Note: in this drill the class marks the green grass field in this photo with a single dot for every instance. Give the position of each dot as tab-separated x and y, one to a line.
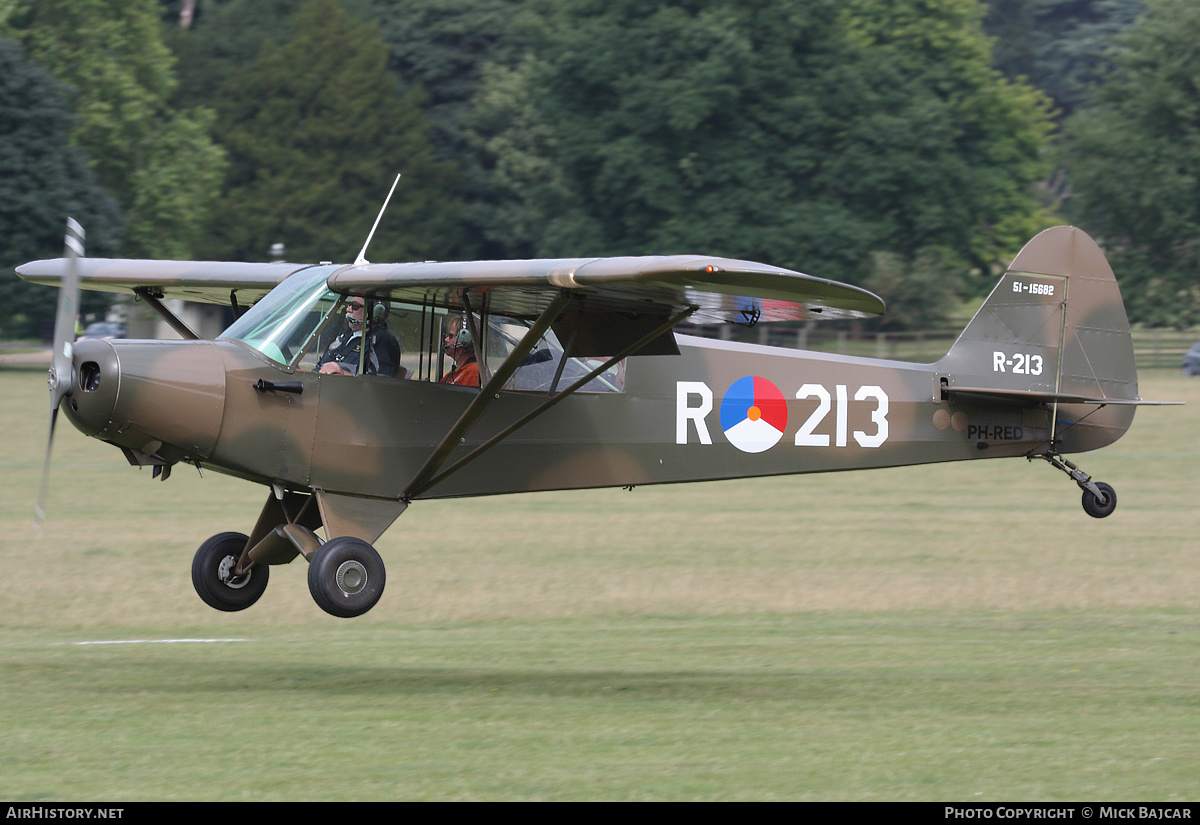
957	632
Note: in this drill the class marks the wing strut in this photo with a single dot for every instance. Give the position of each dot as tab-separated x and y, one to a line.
179	326
415	489
485	397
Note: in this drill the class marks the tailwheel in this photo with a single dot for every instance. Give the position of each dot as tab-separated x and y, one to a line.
1099	499
345	577
214	574
1096	506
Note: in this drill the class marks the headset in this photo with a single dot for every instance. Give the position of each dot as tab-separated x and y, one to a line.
379	310
463	338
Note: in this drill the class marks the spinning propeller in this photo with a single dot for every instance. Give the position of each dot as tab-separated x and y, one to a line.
61	377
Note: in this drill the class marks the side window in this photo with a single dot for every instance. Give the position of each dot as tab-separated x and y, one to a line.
408	323
419	333
544	369
419	330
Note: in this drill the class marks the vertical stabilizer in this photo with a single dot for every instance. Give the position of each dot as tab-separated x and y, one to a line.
1057	319
1054	326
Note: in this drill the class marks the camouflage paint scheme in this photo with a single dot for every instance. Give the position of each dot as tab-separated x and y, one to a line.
1046	367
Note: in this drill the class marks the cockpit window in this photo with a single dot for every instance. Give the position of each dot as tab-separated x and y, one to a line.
282	325
300	322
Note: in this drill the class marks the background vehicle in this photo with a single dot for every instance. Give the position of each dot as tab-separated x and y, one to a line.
103	329
1191	360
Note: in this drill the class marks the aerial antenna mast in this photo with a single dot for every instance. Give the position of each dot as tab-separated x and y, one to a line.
362	259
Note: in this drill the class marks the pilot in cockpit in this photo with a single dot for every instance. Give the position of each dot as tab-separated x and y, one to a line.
345	353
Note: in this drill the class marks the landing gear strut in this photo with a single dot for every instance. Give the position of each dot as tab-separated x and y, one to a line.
1099	499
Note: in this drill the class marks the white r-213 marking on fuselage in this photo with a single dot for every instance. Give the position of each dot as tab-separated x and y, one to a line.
806	436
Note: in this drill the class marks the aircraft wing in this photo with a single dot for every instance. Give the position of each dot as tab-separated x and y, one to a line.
720	289
209	282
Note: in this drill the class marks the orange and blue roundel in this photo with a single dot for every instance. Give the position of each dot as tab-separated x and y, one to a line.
753	414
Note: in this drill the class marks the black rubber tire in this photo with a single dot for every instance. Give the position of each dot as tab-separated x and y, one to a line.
1092	505
346	577
210	574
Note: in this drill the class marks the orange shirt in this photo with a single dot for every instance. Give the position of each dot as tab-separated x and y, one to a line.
465	376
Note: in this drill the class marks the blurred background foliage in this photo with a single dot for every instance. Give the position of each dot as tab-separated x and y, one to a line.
911	146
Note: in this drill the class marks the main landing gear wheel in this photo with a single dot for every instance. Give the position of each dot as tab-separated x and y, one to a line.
345	577
1096	508
213	578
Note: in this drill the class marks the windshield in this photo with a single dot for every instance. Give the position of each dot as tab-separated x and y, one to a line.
282	324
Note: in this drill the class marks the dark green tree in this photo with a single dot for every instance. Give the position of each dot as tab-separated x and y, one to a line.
944	152
43	181
316	131
447	48
225	38
160	163
1063	47
516	150
1134	161
807	133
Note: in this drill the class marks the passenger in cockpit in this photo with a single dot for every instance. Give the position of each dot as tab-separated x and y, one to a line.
459	344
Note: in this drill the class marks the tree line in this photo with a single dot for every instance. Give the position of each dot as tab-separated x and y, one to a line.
909	146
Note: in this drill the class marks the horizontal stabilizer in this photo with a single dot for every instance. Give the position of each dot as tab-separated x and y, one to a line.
1031	397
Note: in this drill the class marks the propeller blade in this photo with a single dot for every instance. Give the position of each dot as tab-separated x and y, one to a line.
39	510
61	376
64	322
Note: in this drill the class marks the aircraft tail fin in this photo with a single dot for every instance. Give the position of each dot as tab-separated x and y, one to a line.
1053	331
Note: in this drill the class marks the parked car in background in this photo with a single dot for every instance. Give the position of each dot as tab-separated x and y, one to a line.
1191	361
103	329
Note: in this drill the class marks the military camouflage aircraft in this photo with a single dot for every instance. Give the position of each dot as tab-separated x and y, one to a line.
584	384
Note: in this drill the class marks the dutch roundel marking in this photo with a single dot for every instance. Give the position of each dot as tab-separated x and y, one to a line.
753	414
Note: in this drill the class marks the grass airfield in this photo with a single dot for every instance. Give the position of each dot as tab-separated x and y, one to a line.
954	632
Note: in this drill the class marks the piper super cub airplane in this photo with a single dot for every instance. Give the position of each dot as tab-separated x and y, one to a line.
584	384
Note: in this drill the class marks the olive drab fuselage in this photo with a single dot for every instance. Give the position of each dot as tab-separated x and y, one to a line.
366	436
